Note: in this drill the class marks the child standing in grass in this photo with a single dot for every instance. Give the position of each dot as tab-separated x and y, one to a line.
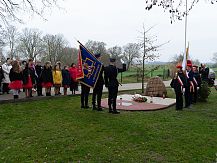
73	73
57	79
16	77
29	78
47	78
66	79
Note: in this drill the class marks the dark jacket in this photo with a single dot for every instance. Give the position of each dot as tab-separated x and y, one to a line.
204	73
100	81
38	70
47	75
178	85
189	78
1	74
66	77
26	72
197	78
15	76
110	75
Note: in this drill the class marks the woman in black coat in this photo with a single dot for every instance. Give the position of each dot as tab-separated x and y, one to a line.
47	78
16	77
66	79
1	77
29	78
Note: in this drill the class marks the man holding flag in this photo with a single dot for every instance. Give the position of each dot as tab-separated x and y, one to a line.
97	91
189	89
89	69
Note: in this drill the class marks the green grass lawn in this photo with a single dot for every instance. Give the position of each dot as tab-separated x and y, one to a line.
57	130
132	76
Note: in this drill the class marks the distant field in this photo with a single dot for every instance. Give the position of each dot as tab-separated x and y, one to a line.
135	74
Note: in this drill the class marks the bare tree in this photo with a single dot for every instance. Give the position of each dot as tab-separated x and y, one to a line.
176	8
30	44
115	51
10	10
98	47
131	51
70	55
54	47
10	36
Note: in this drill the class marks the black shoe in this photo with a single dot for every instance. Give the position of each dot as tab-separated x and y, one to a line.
82	106
94	107
16	96
116	112
99	109
110	111
87	107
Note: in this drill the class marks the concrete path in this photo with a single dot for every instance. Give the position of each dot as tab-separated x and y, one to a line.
130	86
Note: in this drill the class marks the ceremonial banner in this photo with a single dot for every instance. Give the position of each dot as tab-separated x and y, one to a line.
91	67
186	57
80	74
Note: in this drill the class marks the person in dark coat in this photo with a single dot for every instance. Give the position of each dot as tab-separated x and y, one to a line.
178	83
204	71
38	69
197	83
1	78
47	78
111	82
85	90
16	77
29	78
189	89
97	91
66	79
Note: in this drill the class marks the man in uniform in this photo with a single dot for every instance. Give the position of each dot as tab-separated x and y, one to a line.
97	91
204	71
111	82
189	89
85	90
178	83
196	82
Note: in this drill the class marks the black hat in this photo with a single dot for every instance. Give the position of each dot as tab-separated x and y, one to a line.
97	55
112	59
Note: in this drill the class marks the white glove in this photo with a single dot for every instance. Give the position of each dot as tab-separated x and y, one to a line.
183	90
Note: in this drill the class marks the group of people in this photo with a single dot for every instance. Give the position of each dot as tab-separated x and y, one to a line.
188	82
26	75
29	76
110	80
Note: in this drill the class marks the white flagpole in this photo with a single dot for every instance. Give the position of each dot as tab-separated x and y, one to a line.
184	62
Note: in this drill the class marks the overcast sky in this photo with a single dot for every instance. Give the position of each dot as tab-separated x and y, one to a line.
117	22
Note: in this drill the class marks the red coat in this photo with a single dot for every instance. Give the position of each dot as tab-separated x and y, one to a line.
73	73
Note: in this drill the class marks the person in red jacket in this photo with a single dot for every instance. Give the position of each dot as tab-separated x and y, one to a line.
73	73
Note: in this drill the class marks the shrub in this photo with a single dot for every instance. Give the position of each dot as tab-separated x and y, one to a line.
204	92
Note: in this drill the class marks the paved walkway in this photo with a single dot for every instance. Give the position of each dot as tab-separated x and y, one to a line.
130	86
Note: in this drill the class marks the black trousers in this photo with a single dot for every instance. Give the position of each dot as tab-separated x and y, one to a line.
85	90
195	95
188	97
113	92
39	89
97	93
5	88
179	100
